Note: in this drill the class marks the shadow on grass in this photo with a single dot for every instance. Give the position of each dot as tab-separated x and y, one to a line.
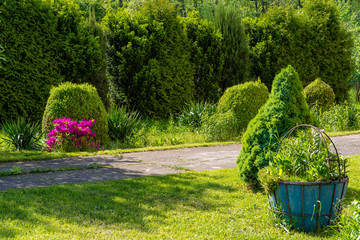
127	203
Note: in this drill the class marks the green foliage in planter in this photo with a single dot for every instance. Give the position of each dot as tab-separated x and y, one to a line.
78	102
149	58
22	134
285	108
302	159
206	55
235	45
311	39
45	44
244	100
320	94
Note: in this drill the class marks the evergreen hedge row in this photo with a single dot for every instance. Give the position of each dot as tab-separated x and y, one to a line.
44	45
311	39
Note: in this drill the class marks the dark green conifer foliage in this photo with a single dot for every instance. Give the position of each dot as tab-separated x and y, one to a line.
99	79
149	58
311	39
285	108
45	44
235	46
27	34
206	55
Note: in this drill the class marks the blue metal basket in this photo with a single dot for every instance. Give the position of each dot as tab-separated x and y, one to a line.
307	206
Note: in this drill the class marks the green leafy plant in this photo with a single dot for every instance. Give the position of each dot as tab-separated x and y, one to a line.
303	158
22	134
122	124
192	114
339	117
349	224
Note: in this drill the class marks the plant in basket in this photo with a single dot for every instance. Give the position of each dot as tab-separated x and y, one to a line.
306	181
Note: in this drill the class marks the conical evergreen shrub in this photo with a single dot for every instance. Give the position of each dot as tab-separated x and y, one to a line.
285	108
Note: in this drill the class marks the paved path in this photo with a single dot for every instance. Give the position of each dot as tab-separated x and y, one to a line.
140	164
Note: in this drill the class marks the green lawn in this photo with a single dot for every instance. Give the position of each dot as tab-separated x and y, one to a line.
195	205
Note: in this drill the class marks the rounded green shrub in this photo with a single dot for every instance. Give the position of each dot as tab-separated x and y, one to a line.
285	108
78	102
244	100
319	93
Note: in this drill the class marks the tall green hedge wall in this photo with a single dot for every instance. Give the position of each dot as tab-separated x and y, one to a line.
312	39
44	44
149	58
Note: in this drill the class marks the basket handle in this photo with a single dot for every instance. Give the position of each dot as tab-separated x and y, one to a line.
322	133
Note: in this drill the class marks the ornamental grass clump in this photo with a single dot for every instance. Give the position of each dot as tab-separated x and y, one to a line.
69	136
21	134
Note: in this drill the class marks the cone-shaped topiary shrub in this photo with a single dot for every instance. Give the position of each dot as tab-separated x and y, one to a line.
285	108
78	102
319	93
244	100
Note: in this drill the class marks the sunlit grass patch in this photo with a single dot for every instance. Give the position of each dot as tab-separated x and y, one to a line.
194	205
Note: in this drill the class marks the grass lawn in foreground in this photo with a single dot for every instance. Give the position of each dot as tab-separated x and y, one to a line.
196	205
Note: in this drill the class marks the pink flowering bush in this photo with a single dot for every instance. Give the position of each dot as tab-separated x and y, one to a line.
70	136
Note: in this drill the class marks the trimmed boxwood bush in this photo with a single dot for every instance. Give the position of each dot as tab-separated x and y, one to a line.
78	102
244	100
319	93
285	108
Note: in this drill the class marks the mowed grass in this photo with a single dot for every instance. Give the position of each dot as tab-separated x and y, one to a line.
195	205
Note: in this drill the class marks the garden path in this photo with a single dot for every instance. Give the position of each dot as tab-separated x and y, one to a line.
138	164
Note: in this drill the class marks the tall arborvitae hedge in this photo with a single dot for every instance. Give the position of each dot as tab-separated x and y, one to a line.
45	44
27	33
149	58
206	55
285	108
235	45
312	39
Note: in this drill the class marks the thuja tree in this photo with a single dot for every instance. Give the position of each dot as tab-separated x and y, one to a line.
285	108
311	39
206	55
26	33
235	45
149	58
45	44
